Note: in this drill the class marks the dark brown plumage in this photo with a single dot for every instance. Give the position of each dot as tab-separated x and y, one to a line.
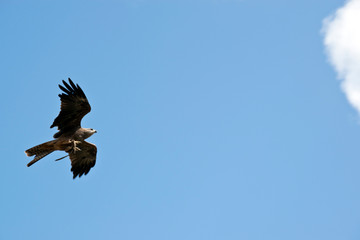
71	136
74	106
82	161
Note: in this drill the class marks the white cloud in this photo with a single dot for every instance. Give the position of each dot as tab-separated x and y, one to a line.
342	42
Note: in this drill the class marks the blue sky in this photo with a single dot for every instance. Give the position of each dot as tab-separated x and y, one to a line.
216	119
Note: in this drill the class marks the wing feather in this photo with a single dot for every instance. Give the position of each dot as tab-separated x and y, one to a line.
82	161
74	106
64	89
72	85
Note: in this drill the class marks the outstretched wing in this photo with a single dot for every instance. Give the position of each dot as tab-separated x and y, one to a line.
74	106
84	159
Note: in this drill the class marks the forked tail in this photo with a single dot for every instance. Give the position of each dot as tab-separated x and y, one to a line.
40	151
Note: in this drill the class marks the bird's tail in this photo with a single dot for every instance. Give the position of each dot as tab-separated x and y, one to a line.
40	151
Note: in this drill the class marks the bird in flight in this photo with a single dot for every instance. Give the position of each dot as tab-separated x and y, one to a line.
70	136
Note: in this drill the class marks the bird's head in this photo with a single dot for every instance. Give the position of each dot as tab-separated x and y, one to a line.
90	131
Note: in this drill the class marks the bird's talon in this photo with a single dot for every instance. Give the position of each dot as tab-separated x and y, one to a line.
74	148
